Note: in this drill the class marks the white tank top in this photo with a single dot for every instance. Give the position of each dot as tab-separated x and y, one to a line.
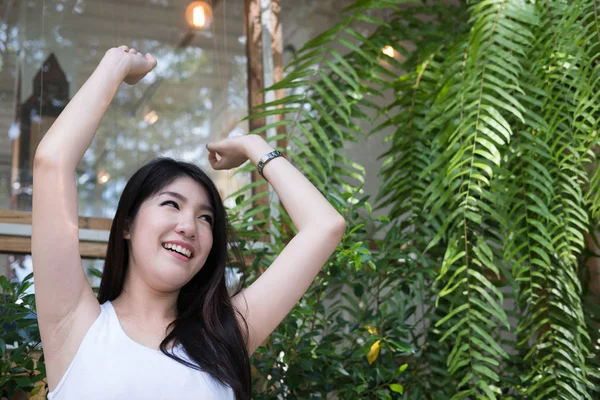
111	365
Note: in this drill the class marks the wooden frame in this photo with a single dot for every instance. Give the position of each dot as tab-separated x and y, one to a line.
22	245
18	244
24	217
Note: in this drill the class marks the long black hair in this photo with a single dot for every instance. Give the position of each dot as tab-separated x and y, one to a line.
206	324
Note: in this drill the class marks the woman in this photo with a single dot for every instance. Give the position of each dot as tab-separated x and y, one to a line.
163	325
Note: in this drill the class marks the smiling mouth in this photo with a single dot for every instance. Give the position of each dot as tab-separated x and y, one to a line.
178	249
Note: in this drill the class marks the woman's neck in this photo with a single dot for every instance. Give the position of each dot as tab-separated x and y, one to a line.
140	302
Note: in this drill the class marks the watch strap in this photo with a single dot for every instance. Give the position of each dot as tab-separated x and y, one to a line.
265	159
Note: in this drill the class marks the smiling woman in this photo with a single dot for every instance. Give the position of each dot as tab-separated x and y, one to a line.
166	214
163	300
170	234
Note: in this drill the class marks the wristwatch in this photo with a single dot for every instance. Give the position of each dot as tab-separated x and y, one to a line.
265	159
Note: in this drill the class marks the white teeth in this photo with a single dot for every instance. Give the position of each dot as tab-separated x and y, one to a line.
179	249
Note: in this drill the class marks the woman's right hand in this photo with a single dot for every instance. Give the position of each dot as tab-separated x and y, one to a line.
132	64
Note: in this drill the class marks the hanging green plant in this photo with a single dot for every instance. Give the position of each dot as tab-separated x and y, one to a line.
491	185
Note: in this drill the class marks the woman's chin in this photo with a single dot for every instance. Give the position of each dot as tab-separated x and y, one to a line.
171	279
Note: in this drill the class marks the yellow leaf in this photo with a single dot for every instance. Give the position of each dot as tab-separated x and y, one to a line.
371	329
36	390
374	352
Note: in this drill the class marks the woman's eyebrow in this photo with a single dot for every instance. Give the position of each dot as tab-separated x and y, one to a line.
208	208
184	199
176	195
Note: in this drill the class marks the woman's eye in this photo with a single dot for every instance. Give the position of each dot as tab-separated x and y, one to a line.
170	202
207	218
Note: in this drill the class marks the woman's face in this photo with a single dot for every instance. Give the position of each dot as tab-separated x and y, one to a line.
171	236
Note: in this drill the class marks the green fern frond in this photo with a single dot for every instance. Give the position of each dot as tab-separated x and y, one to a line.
490	179
476	104
547	215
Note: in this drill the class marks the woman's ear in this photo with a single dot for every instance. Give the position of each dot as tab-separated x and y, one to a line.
126	231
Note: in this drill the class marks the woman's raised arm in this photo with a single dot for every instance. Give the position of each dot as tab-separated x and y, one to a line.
65	302
320	229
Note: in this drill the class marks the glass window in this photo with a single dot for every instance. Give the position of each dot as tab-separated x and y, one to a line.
17	267
196	94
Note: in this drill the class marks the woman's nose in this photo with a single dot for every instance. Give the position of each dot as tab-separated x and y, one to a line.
187	226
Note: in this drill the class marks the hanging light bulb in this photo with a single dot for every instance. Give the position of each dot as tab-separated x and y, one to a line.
103	177
198	14
389	51
151	117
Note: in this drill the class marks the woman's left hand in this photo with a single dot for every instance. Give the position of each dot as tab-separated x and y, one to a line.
229	153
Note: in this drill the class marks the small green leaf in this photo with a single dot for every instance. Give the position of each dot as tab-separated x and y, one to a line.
24	382
358	290
396	387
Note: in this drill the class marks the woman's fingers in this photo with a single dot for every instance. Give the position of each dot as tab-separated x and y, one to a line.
137	64
147	56
151	60
212	155
230	153
214	161
212	147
